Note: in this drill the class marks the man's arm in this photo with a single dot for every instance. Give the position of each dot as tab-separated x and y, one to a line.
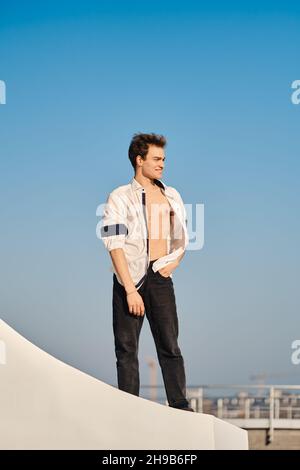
121	266
113	234
134	300
169	268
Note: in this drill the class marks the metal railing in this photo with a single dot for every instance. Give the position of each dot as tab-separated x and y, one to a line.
247	406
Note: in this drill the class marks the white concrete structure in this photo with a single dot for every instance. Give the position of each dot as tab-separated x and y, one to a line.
47	404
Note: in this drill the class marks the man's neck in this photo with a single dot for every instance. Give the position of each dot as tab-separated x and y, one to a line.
147	183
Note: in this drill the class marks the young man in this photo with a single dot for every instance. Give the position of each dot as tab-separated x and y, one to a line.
144	230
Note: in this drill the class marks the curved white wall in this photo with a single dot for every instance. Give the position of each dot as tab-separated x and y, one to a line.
46	404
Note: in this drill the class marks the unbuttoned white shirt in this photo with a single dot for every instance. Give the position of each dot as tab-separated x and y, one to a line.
124	225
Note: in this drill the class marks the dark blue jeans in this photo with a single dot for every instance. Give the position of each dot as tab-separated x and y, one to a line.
160	309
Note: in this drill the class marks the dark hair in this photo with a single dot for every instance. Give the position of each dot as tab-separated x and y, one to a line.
139	145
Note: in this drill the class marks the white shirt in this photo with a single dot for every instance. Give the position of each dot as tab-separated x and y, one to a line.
124	225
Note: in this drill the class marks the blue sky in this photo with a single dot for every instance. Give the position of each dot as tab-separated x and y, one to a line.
216	80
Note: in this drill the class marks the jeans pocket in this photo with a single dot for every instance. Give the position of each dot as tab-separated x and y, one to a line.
161	276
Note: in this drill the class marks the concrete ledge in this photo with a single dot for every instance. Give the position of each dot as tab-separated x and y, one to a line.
47	404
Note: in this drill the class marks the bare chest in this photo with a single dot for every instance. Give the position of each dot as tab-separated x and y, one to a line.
158	208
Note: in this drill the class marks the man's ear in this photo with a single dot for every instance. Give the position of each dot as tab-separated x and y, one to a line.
138	156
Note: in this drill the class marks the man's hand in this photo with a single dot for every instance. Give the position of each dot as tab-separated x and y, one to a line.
167	270
135	304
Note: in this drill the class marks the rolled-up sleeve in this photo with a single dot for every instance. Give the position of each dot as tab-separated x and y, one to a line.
114	223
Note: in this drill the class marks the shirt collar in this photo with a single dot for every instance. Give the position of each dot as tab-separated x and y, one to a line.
136	185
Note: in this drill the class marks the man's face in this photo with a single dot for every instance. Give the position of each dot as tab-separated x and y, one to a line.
154	164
